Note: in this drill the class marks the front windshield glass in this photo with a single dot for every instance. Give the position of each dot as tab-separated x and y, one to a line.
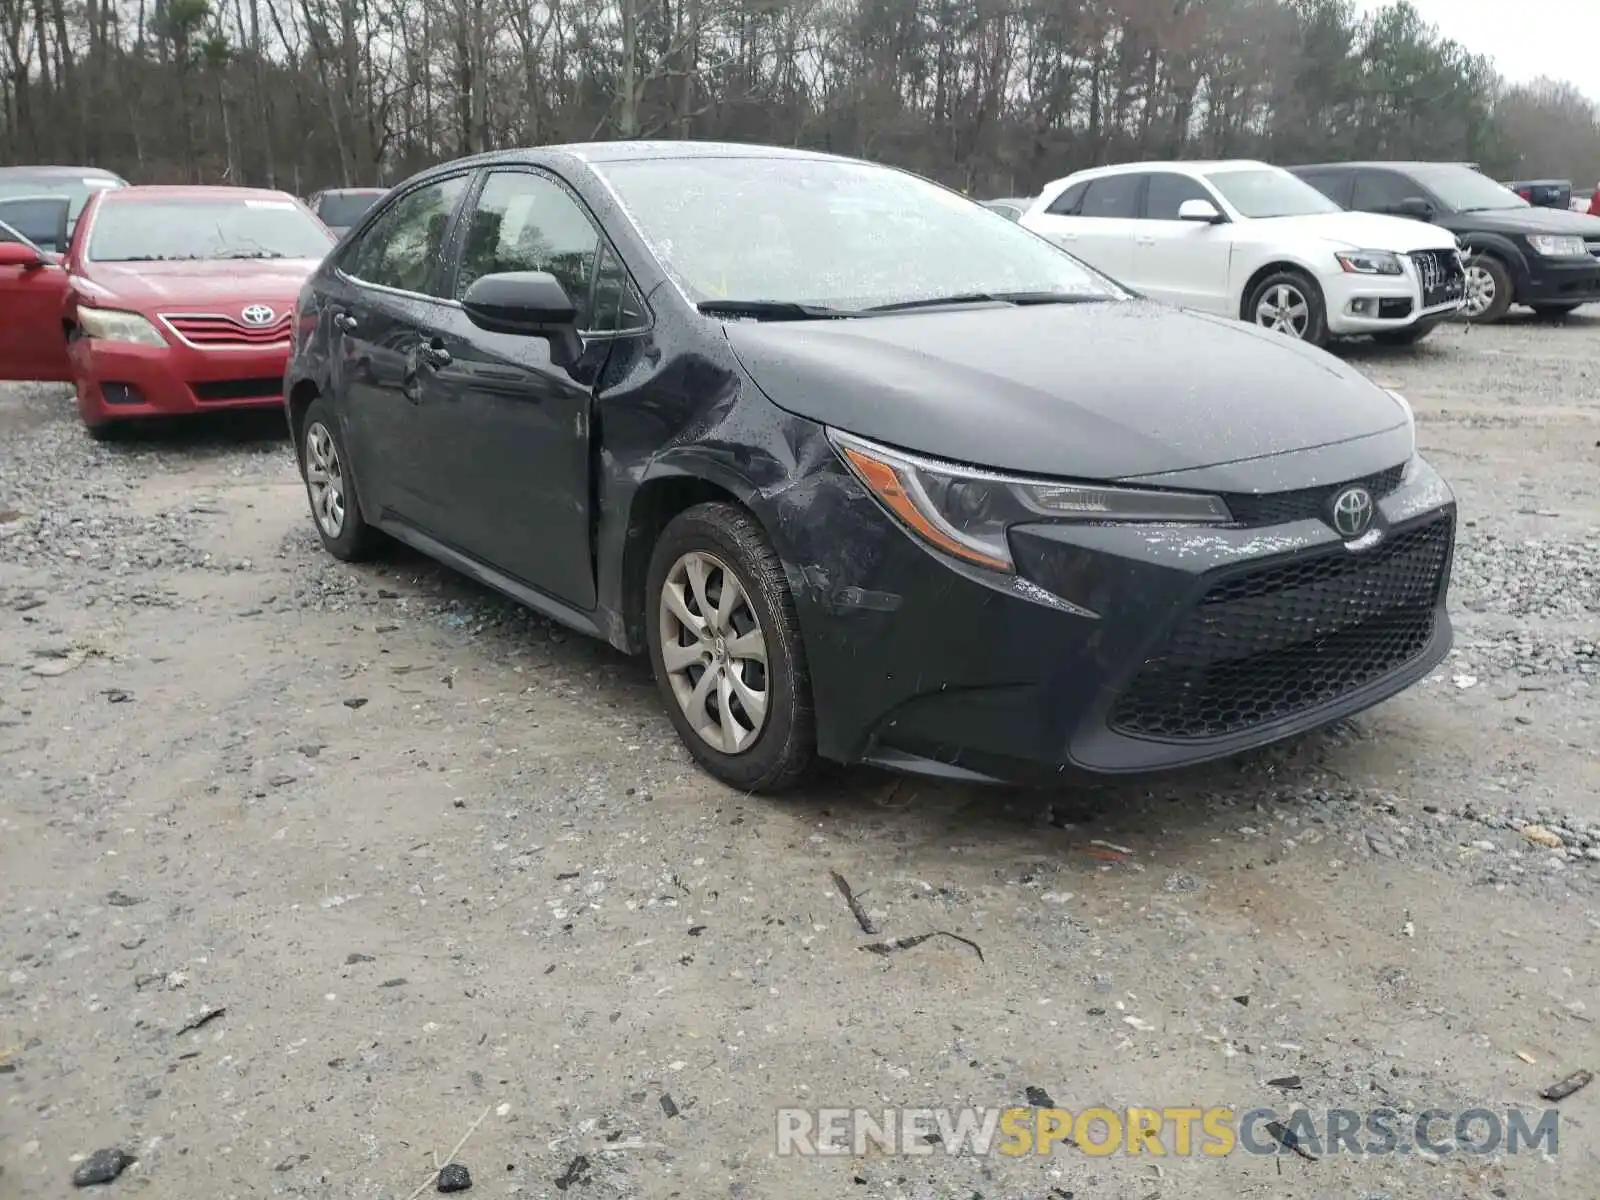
210	228
1462	189
839	235
1269	192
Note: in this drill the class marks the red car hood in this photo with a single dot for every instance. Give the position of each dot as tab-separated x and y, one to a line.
224	287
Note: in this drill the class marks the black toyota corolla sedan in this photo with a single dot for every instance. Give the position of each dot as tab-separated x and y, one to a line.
872	473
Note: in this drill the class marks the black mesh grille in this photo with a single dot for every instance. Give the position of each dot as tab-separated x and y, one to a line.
1278	508
1441	275
237	389
1274	643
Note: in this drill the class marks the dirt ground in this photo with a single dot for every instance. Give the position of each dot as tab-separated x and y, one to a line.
433	858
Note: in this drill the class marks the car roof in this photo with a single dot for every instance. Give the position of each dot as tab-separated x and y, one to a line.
1186	166
57	172
132	195
613	152
353	191
1377	165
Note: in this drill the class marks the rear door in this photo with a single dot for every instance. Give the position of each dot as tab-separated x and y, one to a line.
510	429
1183	262
1108	217
384	302
33	293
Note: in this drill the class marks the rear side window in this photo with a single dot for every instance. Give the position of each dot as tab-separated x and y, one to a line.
1384	191
402	249
1112	196
1066	204
1166	195
1335	185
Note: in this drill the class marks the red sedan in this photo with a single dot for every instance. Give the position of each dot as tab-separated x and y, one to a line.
168	300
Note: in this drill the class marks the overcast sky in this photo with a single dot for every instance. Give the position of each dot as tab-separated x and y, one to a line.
1526	38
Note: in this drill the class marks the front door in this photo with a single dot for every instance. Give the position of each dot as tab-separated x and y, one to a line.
508	428
33	293
1182	262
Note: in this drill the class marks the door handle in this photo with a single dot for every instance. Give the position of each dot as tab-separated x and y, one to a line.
435	356
1144	239
344	321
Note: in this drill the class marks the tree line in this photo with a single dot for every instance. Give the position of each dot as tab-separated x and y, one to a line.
993	96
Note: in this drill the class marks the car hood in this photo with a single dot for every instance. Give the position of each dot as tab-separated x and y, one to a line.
1527	220
177	286
1363	231
1107	390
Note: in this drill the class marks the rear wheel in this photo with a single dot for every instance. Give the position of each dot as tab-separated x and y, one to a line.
331	487
726	648
1489	290
1290	301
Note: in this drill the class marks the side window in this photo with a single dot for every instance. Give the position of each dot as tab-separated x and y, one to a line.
1383	191
403	248
1112	196
1335	185
1166	195
617	305
1066	204
528	222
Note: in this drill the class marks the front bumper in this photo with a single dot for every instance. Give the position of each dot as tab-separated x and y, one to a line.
1119	649
1363	304
119	381
1560	281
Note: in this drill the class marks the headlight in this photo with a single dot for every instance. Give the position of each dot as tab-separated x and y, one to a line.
966	512
1369	262
110	325
1552	246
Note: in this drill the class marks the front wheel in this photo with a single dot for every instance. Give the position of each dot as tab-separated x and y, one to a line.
1489	290
331	487
1290	302
726	648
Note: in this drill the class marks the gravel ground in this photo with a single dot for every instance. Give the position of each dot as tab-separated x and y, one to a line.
432	859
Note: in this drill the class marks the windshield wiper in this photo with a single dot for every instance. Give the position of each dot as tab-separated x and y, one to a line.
255	254
985	298
772	310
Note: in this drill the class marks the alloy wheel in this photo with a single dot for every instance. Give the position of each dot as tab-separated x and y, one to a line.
714	652
1480	291
1284	309
325	479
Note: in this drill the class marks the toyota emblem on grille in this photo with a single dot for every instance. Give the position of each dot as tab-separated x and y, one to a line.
258	314
1352	512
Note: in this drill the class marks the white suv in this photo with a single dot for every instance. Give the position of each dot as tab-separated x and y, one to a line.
1250	240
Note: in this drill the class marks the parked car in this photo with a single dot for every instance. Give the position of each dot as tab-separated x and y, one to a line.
1248	240
340	208
168	300
1544	193
1594	202
1011	207
77	184
1544	258
867	474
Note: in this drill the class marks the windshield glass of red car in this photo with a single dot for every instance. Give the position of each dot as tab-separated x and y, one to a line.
148	230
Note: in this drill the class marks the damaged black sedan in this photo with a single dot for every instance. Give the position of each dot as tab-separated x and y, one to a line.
870	472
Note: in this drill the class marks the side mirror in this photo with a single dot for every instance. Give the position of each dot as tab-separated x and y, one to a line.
1417	208
1202	211
19	254
527	304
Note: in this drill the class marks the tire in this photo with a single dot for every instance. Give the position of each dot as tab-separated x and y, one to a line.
325	467
1288	292
1408	336
1554	311
712	542
1490	290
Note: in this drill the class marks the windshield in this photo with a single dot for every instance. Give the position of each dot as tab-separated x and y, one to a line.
1462	189
143	230
344	209
1270	192
77	191
837	235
